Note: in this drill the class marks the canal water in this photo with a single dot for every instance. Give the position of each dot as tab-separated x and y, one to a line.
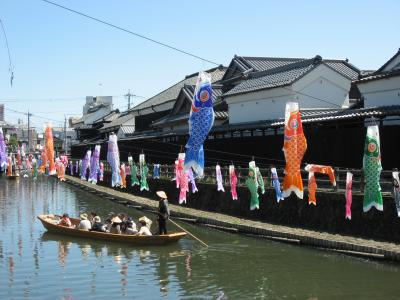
38	265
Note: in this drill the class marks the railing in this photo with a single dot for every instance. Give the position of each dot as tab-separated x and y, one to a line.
168	172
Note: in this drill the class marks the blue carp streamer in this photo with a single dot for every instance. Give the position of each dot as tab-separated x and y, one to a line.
201	121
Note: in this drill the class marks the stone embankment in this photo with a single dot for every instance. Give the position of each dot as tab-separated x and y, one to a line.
333	242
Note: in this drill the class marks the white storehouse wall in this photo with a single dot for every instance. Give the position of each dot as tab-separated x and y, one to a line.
381	92
322	82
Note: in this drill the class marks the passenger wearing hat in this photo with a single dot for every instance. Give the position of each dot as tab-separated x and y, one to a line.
115	225
145	228
163	212
84	224
97	225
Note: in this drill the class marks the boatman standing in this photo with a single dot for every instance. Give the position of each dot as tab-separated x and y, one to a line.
163	212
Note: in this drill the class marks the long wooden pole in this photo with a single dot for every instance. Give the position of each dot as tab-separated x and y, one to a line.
177	225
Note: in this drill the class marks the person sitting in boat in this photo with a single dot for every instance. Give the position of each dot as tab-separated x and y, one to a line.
65	221
97	225
145	226
91	217
84	224
124	219
116	225
130	227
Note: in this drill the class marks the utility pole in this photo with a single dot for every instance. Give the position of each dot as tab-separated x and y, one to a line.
129	95
65	134
29	132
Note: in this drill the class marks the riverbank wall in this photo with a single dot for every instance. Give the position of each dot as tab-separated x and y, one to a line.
216	209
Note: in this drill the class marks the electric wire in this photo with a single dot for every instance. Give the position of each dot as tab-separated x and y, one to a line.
10	67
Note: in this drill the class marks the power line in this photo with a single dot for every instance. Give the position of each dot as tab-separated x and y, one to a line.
32	115
10	67
131	32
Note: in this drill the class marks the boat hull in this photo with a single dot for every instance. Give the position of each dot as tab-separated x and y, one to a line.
110	237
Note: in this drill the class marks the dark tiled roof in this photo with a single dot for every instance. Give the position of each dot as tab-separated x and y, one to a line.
266	63
171	93
288	73
379	76
126	119
112	115
128	129
343	114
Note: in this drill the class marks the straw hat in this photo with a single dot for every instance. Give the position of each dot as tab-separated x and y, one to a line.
162	194
84	216
116	220
145	220
96	219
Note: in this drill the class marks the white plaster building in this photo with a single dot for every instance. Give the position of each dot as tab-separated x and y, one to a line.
259	87
382	88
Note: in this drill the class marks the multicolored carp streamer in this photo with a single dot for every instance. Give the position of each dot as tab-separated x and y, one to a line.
201	120
28	163
251	182
123	176
233	182
192	181
86	164
77	166
71	168
23	148
276	184
3	151
50	149
294	148
260	181
220	182
101	171
113	160
156	171
349	194
144	170
312	182
396	190
19	160
43	160
176	173
9	166
134	179
372	170
35	168
95	165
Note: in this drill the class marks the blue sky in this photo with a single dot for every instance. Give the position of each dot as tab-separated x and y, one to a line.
61	56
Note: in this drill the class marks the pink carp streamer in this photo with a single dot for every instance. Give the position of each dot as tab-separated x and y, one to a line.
349	196
233	182
94	165
182	178
101	174
113	160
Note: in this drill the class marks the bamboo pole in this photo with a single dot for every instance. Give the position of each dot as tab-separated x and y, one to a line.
177	225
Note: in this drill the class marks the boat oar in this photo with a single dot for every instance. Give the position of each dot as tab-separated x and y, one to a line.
177	225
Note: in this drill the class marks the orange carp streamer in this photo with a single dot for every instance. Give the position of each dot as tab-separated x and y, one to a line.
312	183
294	148
50	149
43	158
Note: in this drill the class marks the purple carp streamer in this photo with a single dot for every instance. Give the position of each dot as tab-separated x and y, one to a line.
3	151
94	165
201	120
85	164
113	160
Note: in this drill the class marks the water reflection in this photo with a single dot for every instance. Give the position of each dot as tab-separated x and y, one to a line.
35	264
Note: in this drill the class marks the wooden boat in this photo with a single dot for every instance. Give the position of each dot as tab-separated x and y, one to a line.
13	176
50	223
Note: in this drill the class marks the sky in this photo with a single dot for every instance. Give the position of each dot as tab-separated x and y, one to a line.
60	57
